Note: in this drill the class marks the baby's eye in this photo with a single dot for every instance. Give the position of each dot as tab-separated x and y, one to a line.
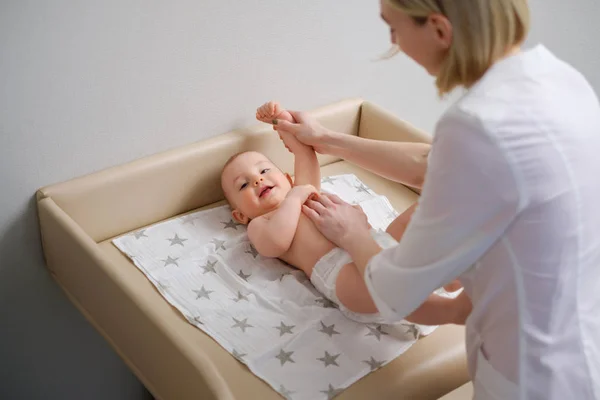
264	171
244	186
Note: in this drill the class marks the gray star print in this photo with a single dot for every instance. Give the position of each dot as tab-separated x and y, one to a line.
285	393
326	303
189	219
231	224
361	188
329	359
202	293
285	356
331	392
241	297
283	328
198	321
242	324
219	244
140	234
328	179
177	240
328	329
244	276
413	330
377	332
209	267
252	251
373	363
171	260
284	275
239	356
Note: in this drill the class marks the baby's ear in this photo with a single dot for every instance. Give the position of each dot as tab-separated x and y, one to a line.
289	178
238	216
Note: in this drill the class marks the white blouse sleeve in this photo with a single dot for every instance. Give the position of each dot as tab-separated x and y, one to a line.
469	198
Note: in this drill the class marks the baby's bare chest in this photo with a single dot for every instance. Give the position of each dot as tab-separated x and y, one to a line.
308	246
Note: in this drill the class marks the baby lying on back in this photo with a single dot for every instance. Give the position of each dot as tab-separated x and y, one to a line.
270	203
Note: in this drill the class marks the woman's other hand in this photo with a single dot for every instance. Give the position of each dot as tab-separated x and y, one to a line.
336	219
306	129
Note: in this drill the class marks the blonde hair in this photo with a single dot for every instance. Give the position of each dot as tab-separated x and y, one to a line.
483	32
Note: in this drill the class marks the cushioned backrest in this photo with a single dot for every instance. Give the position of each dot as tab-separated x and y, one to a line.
377	123
119	199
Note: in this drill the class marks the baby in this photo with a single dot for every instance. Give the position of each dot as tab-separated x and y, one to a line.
270	203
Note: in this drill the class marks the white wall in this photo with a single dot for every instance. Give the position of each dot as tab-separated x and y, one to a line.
87	85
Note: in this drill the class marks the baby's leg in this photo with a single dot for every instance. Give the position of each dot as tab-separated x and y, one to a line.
352	292
398	226
351	289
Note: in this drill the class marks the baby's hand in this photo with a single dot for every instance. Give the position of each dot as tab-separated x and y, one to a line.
304	192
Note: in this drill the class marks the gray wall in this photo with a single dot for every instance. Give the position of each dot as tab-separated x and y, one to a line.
87	85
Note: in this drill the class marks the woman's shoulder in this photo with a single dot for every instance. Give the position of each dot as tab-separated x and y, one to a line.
532	85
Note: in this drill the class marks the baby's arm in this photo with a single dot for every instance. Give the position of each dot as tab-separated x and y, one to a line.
272	234
307	170
306	166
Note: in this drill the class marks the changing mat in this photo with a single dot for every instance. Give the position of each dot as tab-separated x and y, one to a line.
265	313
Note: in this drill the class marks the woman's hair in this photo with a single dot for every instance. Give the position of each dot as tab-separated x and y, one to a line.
483	31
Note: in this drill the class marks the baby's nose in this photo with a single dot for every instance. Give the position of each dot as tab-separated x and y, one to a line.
257	181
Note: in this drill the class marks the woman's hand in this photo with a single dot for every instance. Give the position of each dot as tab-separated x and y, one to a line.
336	219
306	129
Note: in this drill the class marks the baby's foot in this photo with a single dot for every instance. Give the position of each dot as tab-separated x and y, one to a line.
271	111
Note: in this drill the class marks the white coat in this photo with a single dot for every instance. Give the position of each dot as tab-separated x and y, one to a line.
511	206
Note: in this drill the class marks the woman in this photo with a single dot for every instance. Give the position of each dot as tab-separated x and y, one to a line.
508	204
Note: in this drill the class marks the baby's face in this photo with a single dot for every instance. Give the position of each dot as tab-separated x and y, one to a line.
253	185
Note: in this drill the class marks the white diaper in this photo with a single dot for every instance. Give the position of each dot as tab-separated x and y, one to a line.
327	269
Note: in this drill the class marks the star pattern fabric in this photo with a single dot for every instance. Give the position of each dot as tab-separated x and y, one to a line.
171	261
242	324
203	293
264	312
240	297
373	363
140	234
231	224
209	267
331	392
283	328
329	330
285	356
329	359
176	240
219	244
376	331
252	251
244	276
328	179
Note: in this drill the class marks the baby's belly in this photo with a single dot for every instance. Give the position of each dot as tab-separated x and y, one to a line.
308	246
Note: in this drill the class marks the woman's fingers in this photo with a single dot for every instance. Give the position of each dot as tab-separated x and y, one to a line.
286	126
317	206
310	213
325	200
297	115
334	199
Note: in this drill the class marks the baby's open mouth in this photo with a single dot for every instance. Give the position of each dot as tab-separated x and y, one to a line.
266	190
